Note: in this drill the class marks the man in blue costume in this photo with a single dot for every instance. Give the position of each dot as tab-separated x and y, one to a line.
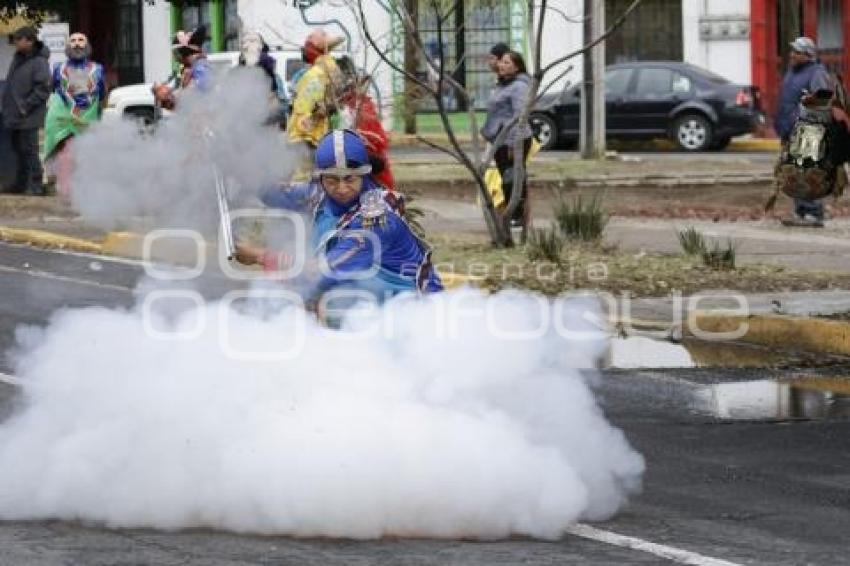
357	227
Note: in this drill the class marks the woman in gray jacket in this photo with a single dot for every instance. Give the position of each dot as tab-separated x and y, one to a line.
506	103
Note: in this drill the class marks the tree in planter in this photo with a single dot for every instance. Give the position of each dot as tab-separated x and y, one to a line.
443	10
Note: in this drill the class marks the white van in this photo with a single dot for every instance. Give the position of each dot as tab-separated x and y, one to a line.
136	102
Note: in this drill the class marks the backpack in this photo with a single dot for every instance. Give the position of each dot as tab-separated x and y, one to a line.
807	169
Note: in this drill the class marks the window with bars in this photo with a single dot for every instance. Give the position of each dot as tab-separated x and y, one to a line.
483	23
128	43
231	26
197	15
653	32
831	34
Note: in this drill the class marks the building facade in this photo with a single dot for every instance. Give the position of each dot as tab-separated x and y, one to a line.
776	22
744	41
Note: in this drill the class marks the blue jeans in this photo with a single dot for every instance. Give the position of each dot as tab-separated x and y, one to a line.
803	207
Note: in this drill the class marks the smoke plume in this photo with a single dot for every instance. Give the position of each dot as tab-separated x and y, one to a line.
460	415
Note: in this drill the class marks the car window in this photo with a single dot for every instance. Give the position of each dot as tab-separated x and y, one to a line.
681	83
654	83
617	81
707	75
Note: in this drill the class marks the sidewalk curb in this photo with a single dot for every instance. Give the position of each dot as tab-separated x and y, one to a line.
49	240
755	144
791	332
809	334
128	245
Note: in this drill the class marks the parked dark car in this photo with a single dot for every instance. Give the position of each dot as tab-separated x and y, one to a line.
692	106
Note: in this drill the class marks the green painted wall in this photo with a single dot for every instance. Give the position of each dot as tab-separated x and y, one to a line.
217	25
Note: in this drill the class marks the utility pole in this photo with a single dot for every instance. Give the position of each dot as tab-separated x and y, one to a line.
593	88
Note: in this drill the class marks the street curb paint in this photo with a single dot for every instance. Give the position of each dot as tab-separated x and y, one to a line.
49	240
779	331
123	244
129	245
789	332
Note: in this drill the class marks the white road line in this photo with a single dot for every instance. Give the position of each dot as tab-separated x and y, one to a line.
99	257
63	278
10	379
660	550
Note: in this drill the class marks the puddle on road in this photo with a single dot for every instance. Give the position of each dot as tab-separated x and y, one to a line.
636	352
806	398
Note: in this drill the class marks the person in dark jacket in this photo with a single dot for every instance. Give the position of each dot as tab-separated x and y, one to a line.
506	103
24	106
806	76
496	53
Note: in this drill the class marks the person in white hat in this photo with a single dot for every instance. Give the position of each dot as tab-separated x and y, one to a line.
805	76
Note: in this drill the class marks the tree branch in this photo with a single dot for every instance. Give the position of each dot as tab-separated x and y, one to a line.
371	40
614	27
438	147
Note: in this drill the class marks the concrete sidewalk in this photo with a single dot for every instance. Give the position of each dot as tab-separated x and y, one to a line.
739	144
413	168
760	241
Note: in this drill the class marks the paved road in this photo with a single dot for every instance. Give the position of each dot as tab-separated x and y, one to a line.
751	492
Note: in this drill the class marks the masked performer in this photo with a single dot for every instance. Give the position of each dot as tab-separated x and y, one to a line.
78	95
360	113
254	53
194	68
357	227
315	91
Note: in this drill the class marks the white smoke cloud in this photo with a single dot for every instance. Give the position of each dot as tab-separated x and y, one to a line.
167	178
432	424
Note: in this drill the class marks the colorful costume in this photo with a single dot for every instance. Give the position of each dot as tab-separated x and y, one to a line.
360	113
78	91
314	92
195	70
403	260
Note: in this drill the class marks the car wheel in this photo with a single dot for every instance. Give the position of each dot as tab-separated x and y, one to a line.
545	130
693	132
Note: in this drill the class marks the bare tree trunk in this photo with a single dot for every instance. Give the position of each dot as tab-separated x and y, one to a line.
407	11
411	65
